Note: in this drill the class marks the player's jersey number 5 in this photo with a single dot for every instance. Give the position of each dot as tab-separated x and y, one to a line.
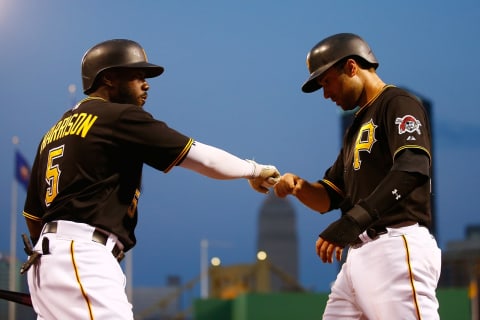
52	174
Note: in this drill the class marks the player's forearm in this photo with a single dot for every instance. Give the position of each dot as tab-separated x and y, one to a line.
217	163
34	228
313	195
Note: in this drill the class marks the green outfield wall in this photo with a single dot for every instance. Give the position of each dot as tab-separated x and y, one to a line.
454	305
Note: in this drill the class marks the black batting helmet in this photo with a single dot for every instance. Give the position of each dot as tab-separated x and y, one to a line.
330	51
116	53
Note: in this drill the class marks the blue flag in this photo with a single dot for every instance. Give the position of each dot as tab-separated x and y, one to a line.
22	169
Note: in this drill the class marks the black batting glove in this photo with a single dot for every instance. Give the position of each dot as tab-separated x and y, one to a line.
346	230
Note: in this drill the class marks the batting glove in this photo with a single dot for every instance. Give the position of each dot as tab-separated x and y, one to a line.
264	177
347	229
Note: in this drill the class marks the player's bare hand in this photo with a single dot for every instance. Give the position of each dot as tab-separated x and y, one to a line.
286	185
326	250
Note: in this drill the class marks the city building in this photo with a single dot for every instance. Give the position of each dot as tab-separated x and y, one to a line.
277	237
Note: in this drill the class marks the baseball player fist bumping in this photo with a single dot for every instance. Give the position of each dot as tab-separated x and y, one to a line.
85	218
380	182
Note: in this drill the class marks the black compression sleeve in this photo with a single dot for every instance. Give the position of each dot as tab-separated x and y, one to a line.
411	160
396	186
409	171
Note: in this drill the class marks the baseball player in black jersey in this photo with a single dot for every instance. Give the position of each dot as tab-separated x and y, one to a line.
81	205
381	182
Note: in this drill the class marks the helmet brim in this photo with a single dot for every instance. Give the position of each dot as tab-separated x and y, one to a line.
151	70
312	84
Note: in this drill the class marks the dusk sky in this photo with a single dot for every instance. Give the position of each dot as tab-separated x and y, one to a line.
233	73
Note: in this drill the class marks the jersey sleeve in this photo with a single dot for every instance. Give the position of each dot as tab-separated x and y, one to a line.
407	126
153	141
334	183
33	208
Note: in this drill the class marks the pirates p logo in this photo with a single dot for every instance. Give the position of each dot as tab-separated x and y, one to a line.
365	141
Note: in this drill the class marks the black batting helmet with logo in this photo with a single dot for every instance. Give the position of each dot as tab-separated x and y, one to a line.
330	51
116	53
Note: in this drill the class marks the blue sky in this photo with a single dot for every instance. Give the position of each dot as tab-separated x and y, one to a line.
233	75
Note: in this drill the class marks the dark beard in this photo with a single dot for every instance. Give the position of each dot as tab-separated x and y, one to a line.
125	96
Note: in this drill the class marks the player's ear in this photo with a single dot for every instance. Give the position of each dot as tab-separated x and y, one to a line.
106	78
350	67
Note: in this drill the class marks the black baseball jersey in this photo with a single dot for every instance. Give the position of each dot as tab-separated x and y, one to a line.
393	122
88	166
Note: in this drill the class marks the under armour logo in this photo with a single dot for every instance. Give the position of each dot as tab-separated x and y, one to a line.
395	193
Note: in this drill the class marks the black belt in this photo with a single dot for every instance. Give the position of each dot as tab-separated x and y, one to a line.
374	232
97	236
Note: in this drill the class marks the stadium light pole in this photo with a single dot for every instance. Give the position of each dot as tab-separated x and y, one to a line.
129	274
13	242
204	263
204	268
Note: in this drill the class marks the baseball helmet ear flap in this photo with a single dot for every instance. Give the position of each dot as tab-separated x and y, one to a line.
116	53
330	51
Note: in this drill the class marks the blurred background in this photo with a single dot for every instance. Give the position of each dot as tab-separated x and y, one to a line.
233	72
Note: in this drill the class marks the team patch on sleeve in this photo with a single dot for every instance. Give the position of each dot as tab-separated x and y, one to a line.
408	124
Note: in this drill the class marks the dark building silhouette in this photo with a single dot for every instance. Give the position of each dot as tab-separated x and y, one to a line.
277	236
